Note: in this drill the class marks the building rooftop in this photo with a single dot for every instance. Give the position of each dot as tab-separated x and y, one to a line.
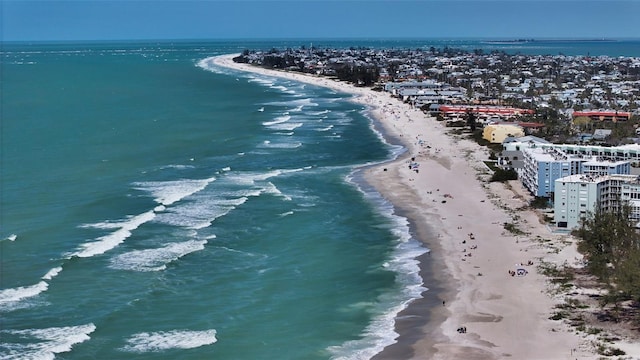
594	179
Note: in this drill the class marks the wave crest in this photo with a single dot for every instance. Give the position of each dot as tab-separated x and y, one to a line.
166	340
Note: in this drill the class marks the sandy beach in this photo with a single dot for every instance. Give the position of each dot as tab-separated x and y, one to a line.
476	306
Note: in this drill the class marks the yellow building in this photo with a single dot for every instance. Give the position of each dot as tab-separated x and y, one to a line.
496	133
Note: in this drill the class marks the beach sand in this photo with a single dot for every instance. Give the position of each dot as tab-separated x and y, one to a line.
461	217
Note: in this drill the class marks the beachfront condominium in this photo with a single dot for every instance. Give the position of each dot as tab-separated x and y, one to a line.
630	152
543	166
577	196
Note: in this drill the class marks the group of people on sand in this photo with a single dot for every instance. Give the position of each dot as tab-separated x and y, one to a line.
472	247
520	271
512	273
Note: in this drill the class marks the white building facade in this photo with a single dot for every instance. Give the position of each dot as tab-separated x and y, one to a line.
630	152
578	195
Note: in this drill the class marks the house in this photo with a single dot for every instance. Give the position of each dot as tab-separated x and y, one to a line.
601	134
497	133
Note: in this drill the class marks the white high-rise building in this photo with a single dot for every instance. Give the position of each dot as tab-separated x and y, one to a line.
578	195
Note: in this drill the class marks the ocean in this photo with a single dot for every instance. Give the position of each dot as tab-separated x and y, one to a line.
156	206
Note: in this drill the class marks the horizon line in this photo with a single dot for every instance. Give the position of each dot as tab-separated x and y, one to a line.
359	38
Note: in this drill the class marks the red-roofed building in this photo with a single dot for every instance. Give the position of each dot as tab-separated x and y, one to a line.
451	111
603	115
531	127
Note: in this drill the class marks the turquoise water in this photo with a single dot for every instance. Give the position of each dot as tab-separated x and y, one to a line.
155	206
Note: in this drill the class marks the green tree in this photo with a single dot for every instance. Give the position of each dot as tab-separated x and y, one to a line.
471	120
611	245
583	123
501	175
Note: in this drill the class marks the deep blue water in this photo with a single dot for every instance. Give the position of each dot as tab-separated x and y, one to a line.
155	206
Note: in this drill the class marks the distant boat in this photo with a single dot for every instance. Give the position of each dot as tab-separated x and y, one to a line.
261	109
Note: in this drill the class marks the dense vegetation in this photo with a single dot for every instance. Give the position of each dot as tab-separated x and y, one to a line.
358	75
611	246
503	175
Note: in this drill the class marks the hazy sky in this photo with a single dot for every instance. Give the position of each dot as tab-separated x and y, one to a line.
213	19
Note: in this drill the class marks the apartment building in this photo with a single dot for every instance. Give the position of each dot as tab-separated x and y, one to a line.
578	195
542	166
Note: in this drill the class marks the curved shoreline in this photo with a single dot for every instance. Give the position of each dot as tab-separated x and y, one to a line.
460	217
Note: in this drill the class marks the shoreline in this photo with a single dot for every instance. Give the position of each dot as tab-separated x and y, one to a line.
461	218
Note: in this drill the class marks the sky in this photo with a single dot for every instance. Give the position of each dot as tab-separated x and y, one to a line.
43	20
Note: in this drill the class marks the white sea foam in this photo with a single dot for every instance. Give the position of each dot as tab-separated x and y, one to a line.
249	178
209	65
325	128
109	241
156	259
106	225
304	102
285	126
10	298
44	344
284	145
262	80
381	333
281	88
272	189
52	273
377	335
277	120
232	190
166	340
296	102
169	192
323	112
11	237
177	167
199	212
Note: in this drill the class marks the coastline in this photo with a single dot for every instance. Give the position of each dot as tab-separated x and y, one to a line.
446	198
